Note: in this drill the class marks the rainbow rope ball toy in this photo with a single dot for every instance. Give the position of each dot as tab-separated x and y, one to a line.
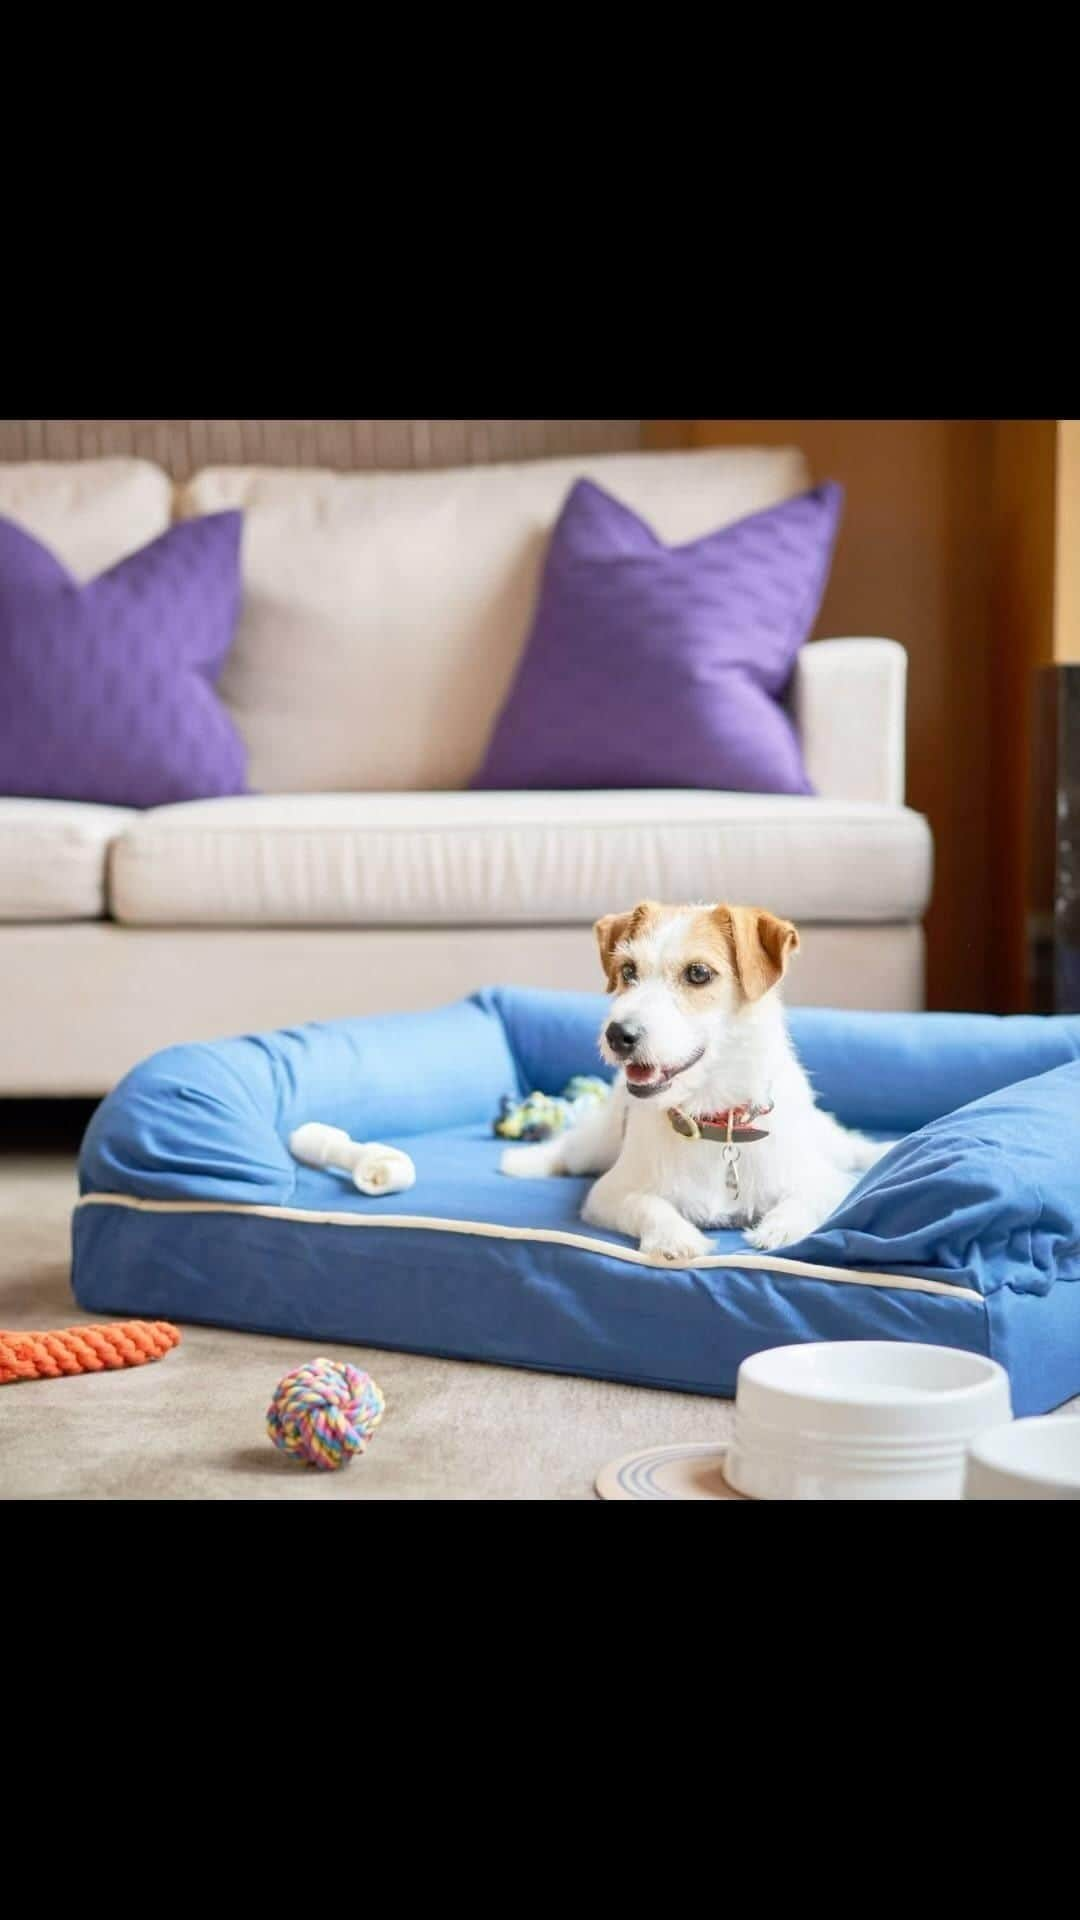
325	1412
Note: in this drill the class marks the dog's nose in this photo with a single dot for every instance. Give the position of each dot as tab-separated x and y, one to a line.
622	1039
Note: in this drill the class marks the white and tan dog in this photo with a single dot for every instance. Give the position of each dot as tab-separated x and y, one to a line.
712	1121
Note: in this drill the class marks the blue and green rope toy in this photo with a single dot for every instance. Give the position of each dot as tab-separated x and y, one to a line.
542	1114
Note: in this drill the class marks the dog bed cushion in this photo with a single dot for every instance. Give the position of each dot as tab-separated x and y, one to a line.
966	1234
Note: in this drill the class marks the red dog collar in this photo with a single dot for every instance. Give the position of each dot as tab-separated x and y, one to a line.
734	1124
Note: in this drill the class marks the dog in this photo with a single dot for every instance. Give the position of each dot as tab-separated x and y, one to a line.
712	1121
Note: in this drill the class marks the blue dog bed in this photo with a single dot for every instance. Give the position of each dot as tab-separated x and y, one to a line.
966	1234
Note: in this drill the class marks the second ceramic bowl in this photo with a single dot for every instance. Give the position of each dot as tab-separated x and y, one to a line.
1027	1460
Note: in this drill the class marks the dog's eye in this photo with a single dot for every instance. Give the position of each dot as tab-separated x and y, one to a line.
698	974
628	973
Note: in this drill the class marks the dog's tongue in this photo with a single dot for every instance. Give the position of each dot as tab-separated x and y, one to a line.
642	1075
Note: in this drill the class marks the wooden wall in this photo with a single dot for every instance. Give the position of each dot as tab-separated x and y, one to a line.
183	446
1022	551
1066	563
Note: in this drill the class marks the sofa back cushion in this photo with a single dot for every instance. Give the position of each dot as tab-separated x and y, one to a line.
384	613
89	513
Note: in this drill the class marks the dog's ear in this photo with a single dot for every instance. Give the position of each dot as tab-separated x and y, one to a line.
613	929
761	946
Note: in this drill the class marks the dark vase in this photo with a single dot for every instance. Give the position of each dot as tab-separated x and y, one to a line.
1055	921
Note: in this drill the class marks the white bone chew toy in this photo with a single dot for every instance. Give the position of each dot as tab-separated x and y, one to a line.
374	1168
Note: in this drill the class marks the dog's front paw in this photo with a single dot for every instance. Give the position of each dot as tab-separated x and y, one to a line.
788	1221
668	1245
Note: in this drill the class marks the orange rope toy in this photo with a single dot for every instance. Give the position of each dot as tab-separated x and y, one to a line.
45	1356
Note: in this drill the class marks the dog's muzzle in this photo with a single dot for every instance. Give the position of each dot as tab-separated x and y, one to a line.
642	1089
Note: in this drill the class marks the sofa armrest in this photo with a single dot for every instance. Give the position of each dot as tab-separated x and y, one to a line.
848	703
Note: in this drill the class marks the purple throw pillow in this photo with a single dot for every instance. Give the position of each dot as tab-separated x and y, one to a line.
107	690
655	666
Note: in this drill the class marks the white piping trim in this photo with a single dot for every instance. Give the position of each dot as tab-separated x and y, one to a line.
765	1262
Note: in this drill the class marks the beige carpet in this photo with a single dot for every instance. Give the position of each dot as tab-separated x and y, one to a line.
190	1427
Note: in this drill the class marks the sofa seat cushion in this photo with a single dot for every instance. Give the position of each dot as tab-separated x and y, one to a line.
53	856
458	859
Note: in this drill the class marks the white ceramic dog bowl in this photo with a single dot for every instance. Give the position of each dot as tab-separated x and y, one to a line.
1027	1460
861	1420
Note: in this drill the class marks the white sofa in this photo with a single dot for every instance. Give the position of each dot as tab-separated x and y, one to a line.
383	616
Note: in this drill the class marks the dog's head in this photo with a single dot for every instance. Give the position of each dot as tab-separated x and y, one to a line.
682	977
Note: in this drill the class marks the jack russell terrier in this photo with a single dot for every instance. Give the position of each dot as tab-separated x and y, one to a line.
712	1121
